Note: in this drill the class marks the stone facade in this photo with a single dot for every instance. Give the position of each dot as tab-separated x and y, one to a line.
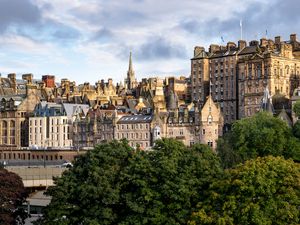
236	75
14	112
211	123
50	132
136	129
44	114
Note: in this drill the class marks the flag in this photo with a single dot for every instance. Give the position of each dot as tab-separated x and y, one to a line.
222	39
241	23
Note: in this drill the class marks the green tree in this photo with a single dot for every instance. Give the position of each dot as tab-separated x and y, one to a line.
114	184
164	186
296	129
259	135
263	191
12	196
89	193
296	108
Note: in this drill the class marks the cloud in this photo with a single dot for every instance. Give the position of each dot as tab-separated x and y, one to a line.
22	12
103	35
157	48
96	36
276	17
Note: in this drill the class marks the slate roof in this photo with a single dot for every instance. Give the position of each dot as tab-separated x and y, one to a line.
70	109
135	119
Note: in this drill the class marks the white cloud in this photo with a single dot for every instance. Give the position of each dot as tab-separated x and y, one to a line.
129	25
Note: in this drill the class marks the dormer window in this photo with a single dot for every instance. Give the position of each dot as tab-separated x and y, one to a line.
209	119
180	120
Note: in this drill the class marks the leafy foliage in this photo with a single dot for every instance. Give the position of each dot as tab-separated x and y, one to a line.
12	196
263	191
296	108
163	186
296	129
113	184
89	193
260	135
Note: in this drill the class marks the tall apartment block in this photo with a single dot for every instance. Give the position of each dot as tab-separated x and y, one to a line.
237	75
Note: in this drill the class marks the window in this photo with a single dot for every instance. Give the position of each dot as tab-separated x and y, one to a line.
209	119
203	131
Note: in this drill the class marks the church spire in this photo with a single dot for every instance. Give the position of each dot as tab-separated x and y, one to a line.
130	80
130	63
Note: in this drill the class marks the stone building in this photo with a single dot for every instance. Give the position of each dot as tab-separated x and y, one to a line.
136	129
273	65
236	75
14	111
94	128
181	126
51	124
211	123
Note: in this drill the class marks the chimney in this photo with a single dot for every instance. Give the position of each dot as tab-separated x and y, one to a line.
230	45
263	42
293	37
277	40
12	78
242	44
28	77
223	48
253	43
49	81
214	48
110	81
198	50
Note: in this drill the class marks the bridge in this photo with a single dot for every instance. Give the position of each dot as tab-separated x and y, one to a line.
37	176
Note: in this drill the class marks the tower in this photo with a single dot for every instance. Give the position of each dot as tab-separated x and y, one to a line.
130	81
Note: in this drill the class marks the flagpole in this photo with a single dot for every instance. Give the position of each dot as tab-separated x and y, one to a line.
241	25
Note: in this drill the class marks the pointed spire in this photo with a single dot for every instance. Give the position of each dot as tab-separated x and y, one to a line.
130	62
130	81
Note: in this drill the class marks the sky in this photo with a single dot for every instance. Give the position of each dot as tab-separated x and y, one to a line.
90	40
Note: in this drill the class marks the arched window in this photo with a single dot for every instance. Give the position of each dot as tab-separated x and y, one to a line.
4	132
12	126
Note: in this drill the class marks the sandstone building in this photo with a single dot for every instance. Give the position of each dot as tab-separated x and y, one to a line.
237	75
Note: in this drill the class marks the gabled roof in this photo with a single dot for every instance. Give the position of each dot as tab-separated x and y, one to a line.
72	109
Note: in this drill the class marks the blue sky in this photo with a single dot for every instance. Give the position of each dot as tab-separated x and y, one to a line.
89	40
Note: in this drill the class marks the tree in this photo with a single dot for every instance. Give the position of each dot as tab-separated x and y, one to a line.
89	193
296	129
259	135
262	191
164	186
115	184
12	196
296	108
